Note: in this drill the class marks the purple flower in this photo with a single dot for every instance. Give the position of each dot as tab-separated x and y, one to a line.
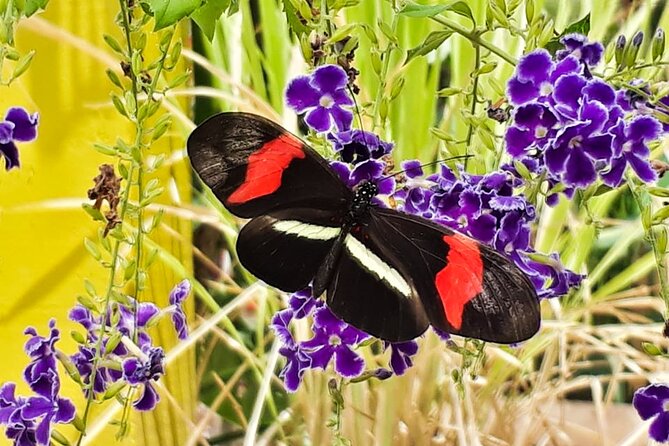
630	147
302	303
536	75
334	338
38	374
578	147
142	371
177	296
356	146
297	363
322	96
400	356
651	402
48	410
577	45
368	170
18	125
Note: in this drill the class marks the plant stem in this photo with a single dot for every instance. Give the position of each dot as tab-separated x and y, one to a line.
470	130
660	261
475	38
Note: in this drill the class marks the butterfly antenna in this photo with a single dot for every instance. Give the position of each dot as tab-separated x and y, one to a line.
431	163
357	111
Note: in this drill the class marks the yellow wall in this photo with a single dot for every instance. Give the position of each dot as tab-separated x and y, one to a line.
42	258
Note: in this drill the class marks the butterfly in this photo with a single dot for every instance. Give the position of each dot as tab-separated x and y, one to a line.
388	273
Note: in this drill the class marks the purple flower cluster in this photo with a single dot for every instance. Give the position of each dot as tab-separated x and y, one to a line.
333	341
18	125
571	127
652	402
487	208
130	321
29	420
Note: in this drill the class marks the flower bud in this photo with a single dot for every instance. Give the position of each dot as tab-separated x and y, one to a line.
633	49
621	42
658	44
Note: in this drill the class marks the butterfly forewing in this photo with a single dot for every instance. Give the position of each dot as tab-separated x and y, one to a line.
465	287
254	166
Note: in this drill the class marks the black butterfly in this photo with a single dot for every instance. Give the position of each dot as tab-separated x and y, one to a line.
388	273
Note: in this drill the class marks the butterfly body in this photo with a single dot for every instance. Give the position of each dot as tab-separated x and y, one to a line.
383	271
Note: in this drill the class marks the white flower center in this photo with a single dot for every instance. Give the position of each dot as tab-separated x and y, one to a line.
577	53
540	132
334	340
545	89
627	147
575	142
326	101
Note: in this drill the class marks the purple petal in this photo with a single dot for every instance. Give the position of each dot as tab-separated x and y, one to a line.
36	407
6	132
342	118
598	147
341	97
343	171
483	228
11	155
535	66
659	428
180	323
367	170
25	124
148	400
579	170
65	412
568	65
595	115
348	363
145	311
279	324
520	92
642	168
649	401
412	168
555	157
614	176
130	367
320	357
43	432
319	119
517	141
329	78
568	90
507	203
180	292
645	128
300	95
386	185
598	90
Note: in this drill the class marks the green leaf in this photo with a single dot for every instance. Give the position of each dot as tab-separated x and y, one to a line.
580	27
420	11
432	42
169	12
295	20
208	14
32	6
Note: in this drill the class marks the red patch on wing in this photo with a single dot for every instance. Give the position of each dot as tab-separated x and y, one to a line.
461	279
265	168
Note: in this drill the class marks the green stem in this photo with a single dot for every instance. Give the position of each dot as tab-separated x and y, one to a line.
475	38
660	262
470	130
382	77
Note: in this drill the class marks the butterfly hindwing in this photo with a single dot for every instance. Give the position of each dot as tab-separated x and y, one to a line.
285	248
255	166
465	287
368	291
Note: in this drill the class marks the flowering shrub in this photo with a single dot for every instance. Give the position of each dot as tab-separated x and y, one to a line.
561	173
